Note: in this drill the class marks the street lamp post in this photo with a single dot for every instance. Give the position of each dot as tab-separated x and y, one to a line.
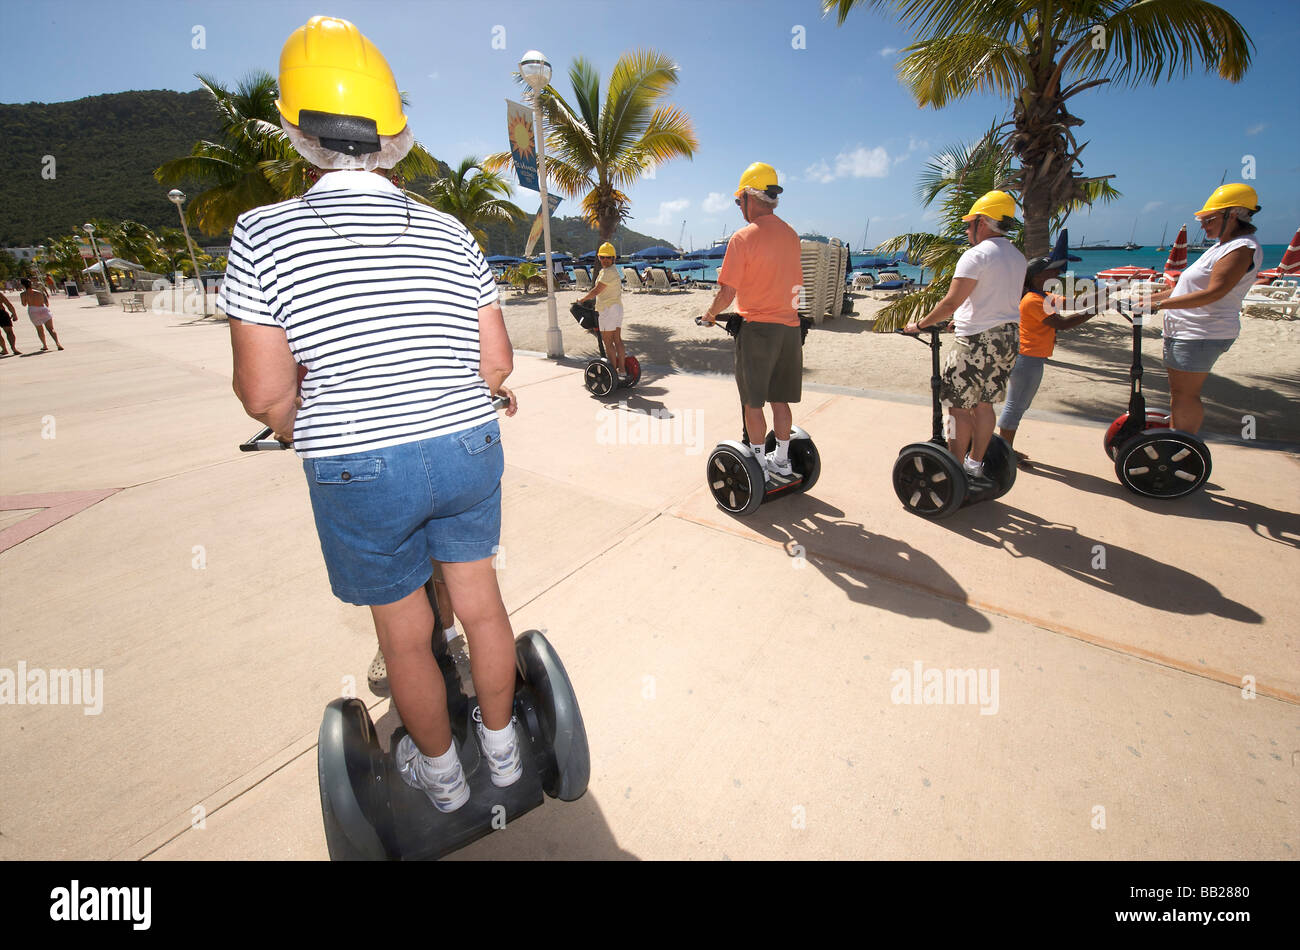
103	264
537	73
177	197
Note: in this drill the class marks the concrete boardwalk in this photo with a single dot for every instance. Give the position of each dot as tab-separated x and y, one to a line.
740	680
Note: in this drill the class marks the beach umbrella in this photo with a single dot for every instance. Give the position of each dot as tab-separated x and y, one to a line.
504	259
1289	265
1127	272
555	256
1177	262
705	253
1061	252
658	252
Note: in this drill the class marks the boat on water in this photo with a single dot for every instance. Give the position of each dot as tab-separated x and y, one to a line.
1130	246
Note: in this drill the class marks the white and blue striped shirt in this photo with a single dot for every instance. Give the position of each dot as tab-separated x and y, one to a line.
384	316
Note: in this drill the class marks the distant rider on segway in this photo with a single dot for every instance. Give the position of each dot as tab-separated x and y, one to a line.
608	294
763	274
983	302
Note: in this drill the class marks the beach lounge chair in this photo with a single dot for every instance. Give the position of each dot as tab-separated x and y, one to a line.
658	280
863	282
581	277
1281	296
633	280
133	303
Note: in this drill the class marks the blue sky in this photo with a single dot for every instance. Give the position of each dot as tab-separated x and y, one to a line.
832	117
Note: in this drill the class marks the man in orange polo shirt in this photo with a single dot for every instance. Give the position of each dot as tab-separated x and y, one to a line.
763	274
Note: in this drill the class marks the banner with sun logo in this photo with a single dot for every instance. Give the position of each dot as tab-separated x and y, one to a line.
523	152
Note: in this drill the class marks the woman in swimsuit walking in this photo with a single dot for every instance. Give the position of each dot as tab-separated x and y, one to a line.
38	311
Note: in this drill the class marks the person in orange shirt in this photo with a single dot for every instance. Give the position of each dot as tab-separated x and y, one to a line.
1040	318
763	274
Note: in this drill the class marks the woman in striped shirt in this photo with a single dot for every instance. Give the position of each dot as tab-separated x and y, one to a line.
392	311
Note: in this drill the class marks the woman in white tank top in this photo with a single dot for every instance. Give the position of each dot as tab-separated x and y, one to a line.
1202	313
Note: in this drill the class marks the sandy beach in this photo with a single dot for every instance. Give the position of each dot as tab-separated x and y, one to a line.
1087	376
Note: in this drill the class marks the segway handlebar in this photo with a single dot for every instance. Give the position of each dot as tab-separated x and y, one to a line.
731	322
264	442
933	331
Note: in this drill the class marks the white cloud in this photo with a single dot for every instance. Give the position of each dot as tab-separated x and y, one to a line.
888	51
715	202
913	145
1151	206
862	162
821	172
1256	129
668	211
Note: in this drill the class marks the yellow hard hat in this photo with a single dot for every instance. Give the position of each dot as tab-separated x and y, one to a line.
1235	195
995	204
606	250
761	177
328	66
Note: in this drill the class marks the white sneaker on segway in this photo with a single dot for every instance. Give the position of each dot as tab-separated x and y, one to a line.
504	768
783	471
446	790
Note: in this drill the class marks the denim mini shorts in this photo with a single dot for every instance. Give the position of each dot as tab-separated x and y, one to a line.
1194	356
384	515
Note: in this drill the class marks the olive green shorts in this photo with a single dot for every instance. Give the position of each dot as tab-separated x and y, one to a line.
769	364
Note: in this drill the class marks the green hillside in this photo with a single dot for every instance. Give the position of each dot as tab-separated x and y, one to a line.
567	234
105	149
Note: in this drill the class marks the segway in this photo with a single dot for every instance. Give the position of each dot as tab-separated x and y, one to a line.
369	811
737	479
929	480
1152	459
599	376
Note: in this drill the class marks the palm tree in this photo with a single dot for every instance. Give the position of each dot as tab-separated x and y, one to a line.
133	242
474	201
599	148
955	178
1042	54
253	164
63	258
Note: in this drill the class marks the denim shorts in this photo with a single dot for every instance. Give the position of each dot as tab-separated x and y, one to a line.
384	515
1194	356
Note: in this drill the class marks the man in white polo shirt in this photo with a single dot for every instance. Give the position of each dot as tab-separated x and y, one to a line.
983	301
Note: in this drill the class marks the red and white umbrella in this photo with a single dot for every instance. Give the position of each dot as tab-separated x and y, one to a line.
1177	262
1289	266
1127	272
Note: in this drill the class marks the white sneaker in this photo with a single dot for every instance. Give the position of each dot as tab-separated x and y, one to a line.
506	767
447	790
784	469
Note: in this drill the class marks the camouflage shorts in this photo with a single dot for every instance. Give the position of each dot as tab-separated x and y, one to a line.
978	367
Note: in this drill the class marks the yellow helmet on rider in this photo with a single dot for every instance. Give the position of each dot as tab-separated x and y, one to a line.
335	83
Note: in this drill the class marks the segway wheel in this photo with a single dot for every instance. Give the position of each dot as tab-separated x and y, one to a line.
735	479
599	378
1163	463
1155	420
352	774
633	370
1000	465
560	721
804	457
928	481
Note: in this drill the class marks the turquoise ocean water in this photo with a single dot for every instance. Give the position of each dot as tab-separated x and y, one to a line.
1092	262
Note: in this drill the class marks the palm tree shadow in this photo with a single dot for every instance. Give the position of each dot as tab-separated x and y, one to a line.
1282	527
810	530
1117	571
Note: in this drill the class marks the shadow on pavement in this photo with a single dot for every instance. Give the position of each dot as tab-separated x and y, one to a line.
818	532
1128	574
1263	521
